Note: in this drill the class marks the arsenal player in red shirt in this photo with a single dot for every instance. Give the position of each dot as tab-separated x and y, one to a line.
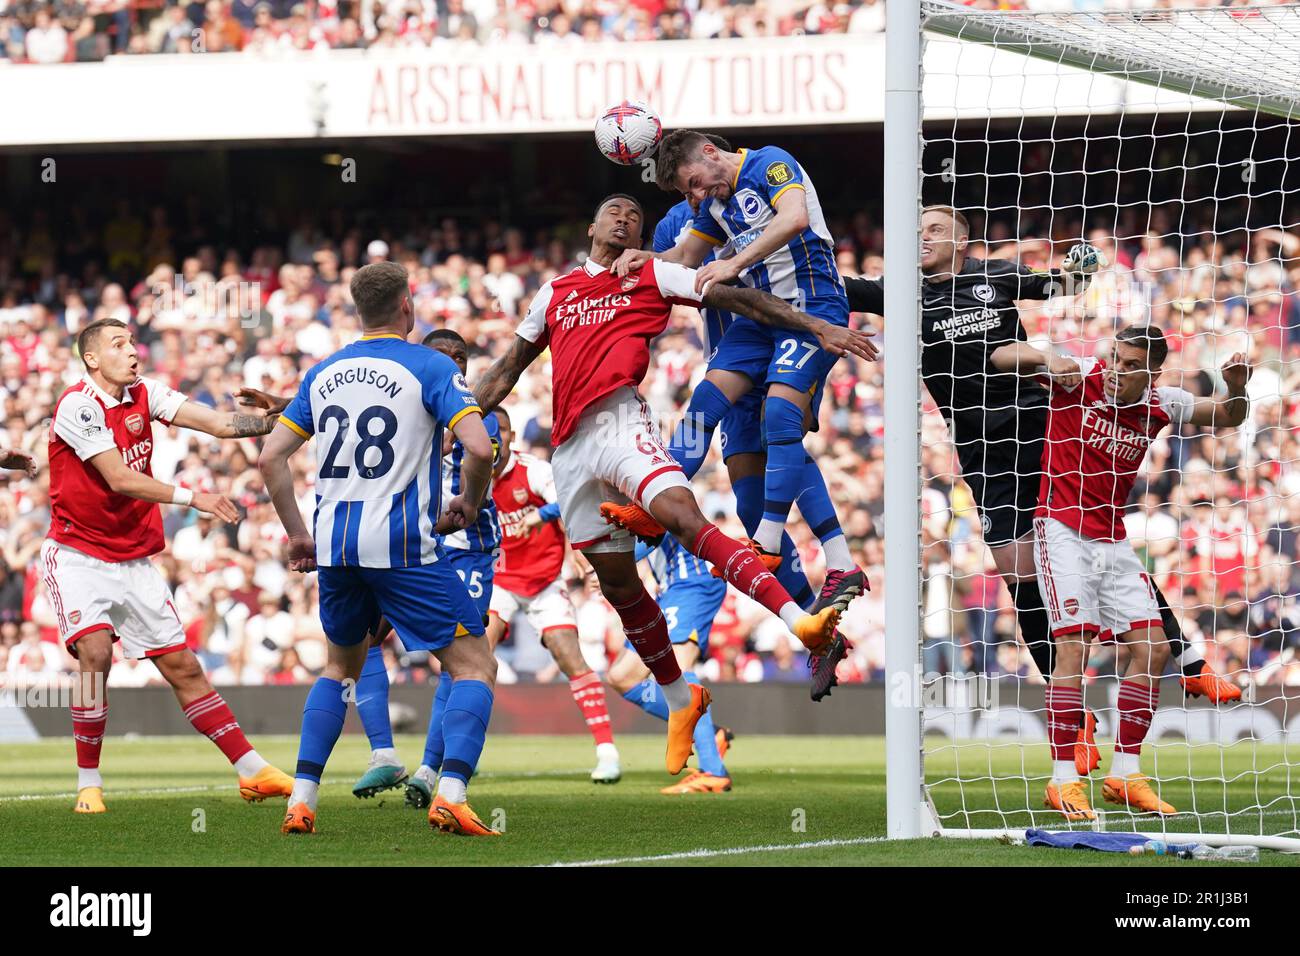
608	451
105	524
1102	418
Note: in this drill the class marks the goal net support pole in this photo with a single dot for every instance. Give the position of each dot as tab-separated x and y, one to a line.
902	524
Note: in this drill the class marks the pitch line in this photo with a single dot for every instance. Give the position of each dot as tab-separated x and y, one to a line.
703	854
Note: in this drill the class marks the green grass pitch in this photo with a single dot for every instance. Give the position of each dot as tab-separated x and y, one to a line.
797	801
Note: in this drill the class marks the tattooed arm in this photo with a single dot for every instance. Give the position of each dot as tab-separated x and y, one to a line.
500	379
767	309
244	423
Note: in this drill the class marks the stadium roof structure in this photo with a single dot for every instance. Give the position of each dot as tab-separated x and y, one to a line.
1178	50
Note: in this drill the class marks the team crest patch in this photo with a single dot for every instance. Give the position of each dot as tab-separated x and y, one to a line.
74	617
1071	607
630	281
135	423
778	174
983	292
986	523
521	495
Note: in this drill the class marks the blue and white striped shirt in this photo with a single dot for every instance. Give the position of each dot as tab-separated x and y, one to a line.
379	408
485	533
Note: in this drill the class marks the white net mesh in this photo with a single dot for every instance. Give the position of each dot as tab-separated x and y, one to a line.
1107	136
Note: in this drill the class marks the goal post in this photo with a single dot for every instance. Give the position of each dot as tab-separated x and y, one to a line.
1166	137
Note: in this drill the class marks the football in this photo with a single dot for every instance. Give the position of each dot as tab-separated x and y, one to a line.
628	132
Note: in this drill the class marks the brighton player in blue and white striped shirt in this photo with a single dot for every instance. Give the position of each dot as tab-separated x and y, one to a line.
381	407
472	551
758	211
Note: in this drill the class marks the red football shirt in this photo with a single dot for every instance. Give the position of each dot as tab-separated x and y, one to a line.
84	512
599	328
1095	448
526	565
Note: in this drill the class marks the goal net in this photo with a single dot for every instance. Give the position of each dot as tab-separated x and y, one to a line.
1165	139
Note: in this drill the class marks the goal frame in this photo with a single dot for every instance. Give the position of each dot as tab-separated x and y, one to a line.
910	813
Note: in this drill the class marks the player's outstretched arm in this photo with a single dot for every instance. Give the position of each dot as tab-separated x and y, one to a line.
767	309
1023	359
273	463
238	424
690	252
791	220
501	378
1229	411
256	398
135	484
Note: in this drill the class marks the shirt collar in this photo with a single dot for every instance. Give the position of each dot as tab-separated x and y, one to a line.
108	400
592	267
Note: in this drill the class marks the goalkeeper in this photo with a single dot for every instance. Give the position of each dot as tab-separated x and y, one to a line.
997	421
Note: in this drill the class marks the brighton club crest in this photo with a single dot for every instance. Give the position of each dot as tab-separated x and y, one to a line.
135	423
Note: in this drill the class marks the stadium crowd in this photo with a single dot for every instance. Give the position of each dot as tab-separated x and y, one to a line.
1218	518
57	31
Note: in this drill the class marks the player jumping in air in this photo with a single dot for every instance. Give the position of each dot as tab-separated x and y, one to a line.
690	596
758	210
745	457
380	407
104	525
598	327
997	421
1102	417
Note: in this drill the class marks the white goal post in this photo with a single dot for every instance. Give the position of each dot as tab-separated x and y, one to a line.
1022	120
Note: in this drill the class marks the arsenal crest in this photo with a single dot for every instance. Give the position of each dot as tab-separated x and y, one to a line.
1071	606
521	495
135	423
629	281
74	617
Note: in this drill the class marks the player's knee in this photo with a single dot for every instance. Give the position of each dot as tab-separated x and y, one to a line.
783	420
95	650
677	510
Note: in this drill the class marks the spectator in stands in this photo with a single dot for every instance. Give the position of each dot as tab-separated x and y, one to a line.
47	40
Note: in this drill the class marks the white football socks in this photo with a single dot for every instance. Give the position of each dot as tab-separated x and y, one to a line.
384	757
1124	765
790	614
1063	772
836	553
249	764
451	789
677	694
89	777
304	791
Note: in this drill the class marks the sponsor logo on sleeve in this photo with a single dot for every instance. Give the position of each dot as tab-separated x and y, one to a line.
778	174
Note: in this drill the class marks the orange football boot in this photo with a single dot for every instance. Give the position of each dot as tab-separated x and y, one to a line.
699	782
817	631
90	800
457	818
1210	685
267	782
724	736
1135	791
1087	757
299	819
1070	799
632	517
770	561
681	728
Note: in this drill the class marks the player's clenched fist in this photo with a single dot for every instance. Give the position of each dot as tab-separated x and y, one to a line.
1083	259
841	340
462	512
217	505
1064	371
302	553
1236	371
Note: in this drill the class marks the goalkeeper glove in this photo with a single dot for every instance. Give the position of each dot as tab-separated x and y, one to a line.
1083	259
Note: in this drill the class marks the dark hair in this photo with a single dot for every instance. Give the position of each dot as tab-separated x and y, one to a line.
503	418
445	335
718	141
377	290
611	197
1148	338
88	338
679	147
